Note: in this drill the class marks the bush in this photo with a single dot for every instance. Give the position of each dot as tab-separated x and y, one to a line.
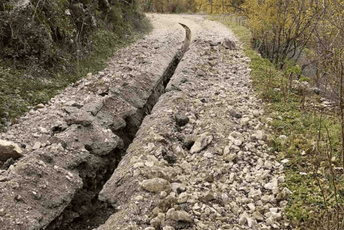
173	6
49	33
303	78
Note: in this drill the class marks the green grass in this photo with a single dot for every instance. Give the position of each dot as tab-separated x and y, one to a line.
306	206
19	91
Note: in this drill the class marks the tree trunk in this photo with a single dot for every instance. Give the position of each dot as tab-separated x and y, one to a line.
341	109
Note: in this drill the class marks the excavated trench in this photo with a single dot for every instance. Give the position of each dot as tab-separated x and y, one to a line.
86	211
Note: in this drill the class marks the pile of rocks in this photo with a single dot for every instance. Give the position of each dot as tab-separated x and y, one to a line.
71	145
200	160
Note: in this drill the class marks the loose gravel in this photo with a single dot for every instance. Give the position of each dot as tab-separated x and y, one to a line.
200	159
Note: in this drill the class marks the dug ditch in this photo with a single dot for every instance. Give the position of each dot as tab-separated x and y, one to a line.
95	211
199	160
73	144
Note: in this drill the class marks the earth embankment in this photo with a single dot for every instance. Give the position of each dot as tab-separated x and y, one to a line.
199	160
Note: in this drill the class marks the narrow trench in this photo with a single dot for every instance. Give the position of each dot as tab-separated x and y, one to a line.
86	211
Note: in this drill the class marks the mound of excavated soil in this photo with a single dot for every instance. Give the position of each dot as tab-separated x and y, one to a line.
199	160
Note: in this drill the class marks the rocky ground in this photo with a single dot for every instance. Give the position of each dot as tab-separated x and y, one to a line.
199	160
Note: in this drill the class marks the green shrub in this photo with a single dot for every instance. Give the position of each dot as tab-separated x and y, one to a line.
49	44
303	78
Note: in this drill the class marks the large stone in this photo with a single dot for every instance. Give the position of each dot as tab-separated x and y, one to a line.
77	116
229	44
94	107
237	142
172	214
156	185
158	221
208	196
178	187
230	157
243	218
8	150
235	136
259	134
244	120
201	143
233	113
95	139
181	119
316	90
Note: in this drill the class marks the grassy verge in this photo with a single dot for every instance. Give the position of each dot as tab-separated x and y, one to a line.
306	135
19	91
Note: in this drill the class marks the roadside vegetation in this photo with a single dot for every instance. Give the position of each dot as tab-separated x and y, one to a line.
46	45
307	132
171	6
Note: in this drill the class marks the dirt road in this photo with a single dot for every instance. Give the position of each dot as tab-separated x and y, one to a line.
199	160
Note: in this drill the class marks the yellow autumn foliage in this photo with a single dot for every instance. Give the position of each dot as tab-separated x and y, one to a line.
281	28
168	6
218	6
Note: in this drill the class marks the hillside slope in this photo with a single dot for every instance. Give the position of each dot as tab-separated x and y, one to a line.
46	45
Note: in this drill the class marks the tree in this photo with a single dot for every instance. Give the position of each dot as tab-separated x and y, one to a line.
281	28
